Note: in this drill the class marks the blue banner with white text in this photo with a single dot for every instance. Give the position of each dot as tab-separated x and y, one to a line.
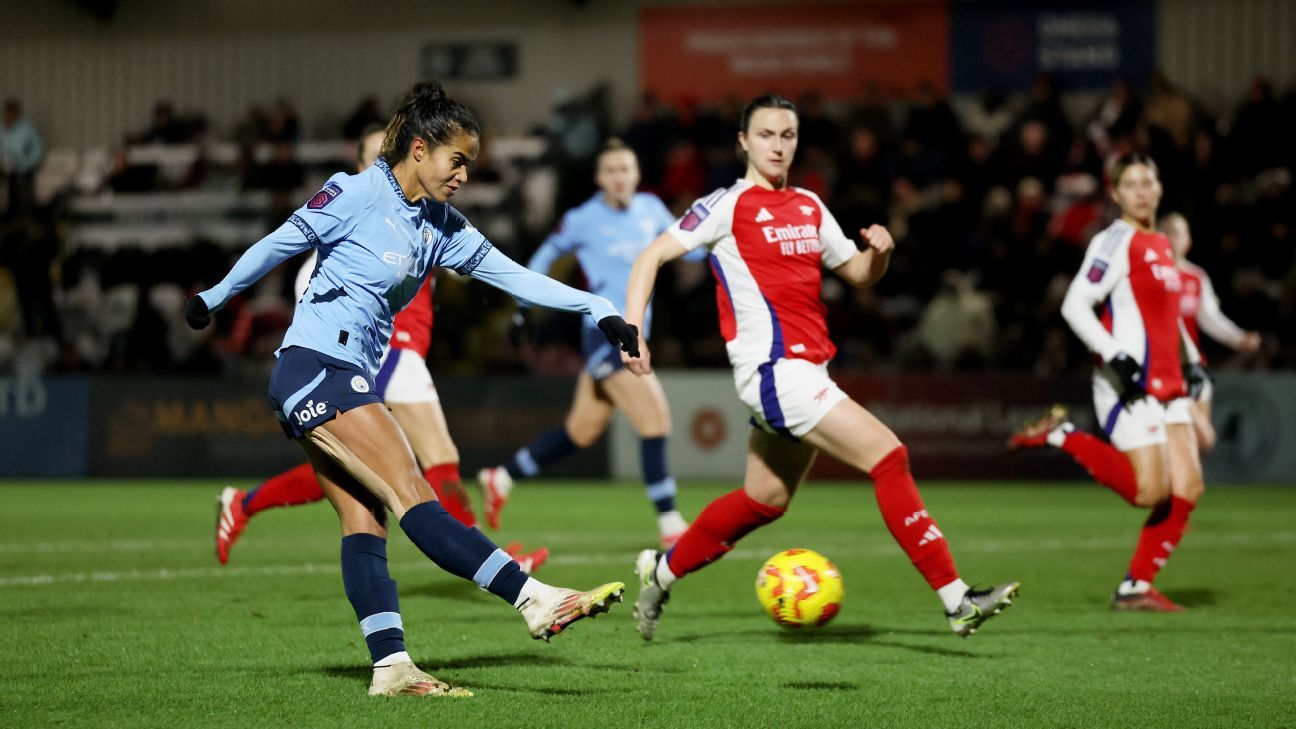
1006	44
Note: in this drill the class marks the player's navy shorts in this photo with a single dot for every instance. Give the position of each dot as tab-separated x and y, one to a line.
602	358
309	389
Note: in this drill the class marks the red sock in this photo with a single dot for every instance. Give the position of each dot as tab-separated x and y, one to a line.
913	528
720	525
1160	536
290	488
1108	466
444	478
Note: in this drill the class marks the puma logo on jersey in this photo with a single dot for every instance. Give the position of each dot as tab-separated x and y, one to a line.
389	222
764	216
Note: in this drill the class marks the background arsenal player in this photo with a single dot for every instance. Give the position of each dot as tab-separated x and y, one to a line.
1148	366
1200	309
406	388
767	243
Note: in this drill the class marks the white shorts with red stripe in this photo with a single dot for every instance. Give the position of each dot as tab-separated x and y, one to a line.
789	396
403	378
1140	423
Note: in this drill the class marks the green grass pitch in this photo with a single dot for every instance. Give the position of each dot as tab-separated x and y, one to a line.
113	612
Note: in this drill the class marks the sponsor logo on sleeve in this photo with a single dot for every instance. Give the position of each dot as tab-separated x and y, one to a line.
1096	271
322	198
694	217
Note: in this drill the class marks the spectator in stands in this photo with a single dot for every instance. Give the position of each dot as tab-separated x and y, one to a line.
870	112
1257	129
283	126
931	122
1046	108
1114	121
126	177
165	128
365	114
253	129
990	117
21	151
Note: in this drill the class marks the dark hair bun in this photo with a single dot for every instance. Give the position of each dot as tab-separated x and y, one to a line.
426	91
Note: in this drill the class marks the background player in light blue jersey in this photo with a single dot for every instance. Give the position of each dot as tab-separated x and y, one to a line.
377	235
606	234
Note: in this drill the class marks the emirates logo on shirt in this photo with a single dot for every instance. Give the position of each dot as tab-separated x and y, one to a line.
793	239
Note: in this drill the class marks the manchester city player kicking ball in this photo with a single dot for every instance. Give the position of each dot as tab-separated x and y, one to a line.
377	235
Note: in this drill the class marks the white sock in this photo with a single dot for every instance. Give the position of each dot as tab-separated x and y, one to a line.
952	594
1133	587
393	659
1057	436
532	589
665	578
671	522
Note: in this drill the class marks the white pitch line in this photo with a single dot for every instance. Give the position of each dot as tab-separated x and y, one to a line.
839	550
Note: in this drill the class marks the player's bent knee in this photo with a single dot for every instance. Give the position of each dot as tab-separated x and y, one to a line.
775	497
584	435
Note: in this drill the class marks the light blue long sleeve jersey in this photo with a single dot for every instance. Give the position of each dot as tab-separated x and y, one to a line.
375	249
606	241
21	147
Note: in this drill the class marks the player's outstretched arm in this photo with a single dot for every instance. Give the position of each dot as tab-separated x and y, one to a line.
284	243
534	289
643	277
867	266
1219	327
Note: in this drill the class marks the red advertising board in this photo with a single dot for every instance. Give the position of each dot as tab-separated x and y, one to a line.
707	53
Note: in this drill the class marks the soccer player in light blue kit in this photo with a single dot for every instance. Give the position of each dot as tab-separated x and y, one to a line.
606	234
377	235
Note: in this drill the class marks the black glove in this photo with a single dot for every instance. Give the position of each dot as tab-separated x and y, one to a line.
1197	377
619	333
196	313
1127	373
521	328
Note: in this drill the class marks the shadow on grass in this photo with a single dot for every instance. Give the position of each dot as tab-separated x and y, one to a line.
837	635
1194	597
542	690
460	590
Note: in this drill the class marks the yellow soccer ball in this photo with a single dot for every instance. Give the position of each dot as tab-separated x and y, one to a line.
800	588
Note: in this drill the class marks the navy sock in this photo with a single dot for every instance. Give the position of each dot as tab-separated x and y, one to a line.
549	446
247	498
657	480
372	593
463	551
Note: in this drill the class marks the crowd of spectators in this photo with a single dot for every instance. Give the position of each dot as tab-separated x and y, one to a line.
991	200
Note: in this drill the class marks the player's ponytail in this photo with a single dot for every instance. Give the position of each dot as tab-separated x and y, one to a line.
425	112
